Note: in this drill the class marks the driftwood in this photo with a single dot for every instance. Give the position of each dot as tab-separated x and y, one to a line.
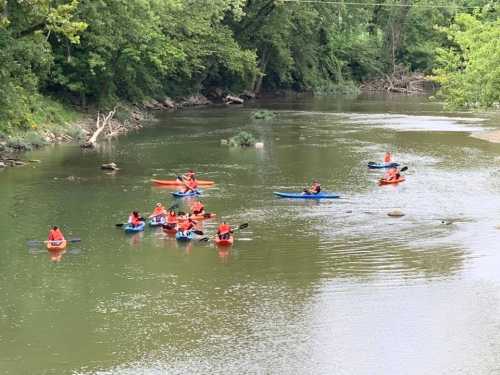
401	81
101	123
230	99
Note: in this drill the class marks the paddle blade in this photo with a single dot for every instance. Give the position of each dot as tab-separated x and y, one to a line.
119	225
403	169
243	226
34	242
73	240
204	239
198	232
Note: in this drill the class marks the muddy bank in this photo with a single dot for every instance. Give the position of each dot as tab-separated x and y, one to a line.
94	126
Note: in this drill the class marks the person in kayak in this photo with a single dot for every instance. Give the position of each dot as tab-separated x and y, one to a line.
187	226
158	213
190	186
55	235
198	208
135	219
387	157
224	231
171	220
392	174
188	176
314	189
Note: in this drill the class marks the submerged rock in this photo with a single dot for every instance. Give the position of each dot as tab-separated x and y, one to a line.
2	164
110	167
396	213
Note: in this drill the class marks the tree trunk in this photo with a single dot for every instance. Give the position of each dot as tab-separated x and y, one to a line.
262	66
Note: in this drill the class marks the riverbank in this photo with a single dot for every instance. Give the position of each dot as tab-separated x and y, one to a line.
58	123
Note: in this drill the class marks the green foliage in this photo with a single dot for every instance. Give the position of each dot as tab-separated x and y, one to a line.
242	139
100	52
469	70
263	115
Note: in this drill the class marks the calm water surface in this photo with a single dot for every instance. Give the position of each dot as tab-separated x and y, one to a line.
334	287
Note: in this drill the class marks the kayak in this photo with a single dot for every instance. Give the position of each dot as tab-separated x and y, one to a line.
179	194
56	245
156	222
180	236
203	216
179	183
224	242
322	195
388	182
171	229
373	165
130	229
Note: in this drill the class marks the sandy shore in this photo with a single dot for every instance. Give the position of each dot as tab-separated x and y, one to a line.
491	136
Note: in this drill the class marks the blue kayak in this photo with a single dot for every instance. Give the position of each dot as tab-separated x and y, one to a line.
180	236
373	165
130	229
156	222
179	194
322	195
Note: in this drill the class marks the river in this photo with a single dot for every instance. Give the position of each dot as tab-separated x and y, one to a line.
331	287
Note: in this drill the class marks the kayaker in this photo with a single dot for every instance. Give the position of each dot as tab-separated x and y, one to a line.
171	220
189	175
392	174
135	219
55	235
224	231
158	212
314	189
187	226
387	157
190	185
198	208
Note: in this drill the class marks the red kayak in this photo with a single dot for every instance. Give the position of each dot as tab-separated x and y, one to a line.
180	183
56	245
393	181
172	230
224	242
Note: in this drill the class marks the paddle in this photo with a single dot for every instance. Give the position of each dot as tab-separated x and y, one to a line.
242	226
38	242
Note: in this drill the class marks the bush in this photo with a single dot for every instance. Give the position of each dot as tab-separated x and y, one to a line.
242	139
263	115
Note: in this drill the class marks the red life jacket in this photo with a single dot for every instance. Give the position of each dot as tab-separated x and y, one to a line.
198	206
56	235
134	220
224	228
172	218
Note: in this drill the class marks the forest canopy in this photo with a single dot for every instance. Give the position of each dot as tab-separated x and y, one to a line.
100	52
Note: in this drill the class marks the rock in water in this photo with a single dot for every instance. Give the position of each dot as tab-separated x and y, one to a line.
2	164
259	145
110	167
396	213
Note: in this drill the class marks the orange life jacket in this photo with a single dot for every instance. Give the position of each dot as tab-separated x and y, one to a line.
198	206
134	220
186	225
191	184
56	235
224	228
172	218
159	211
